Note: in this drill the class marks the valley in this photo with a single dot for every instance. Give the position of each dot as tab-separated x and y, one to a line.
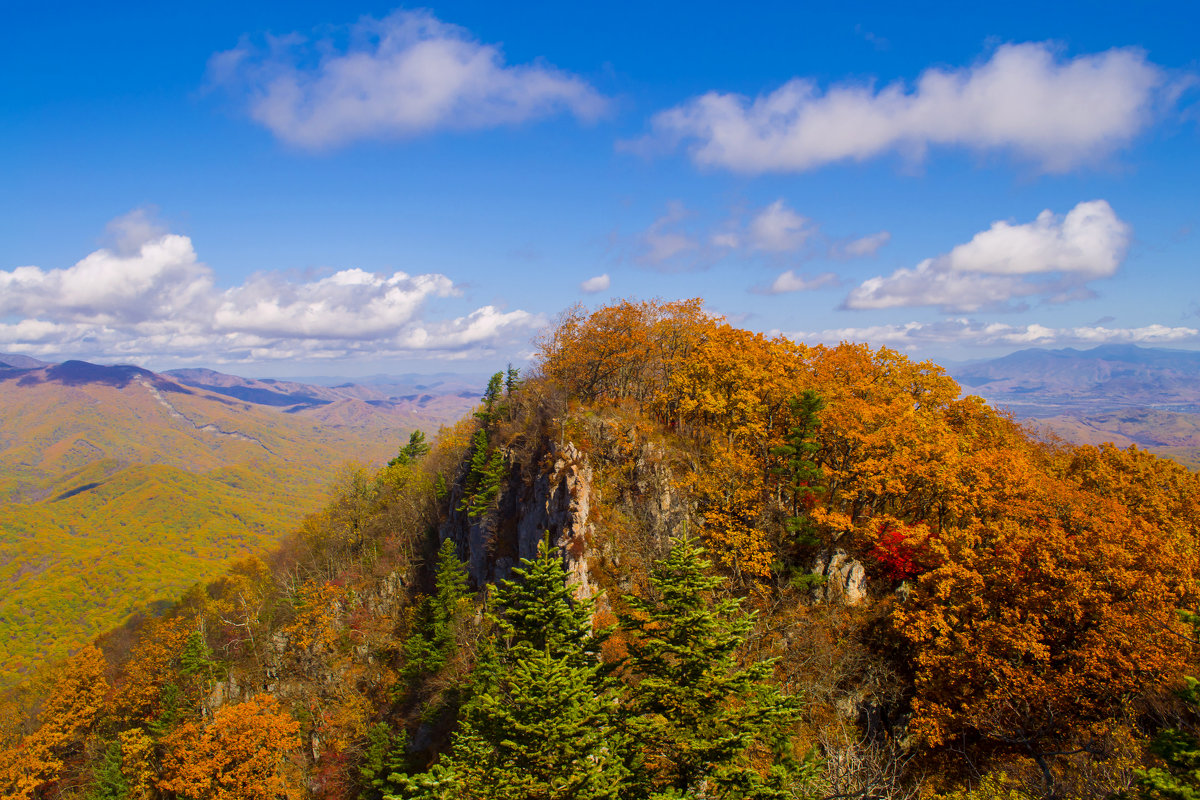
1124	394
120	487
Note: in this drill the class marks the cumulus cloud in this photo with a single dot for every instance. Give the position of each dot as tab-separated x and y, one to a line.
404	75
127	233
161	300
599	283
158	280
967	332
791	282
994	268
1058	113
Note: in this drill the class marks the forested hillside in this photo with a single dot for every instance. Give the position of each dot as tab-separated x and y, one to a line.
120	487
675	560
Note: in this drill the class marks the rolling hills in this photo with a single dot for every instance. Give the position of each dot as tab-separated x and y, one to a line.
120	486
1114	393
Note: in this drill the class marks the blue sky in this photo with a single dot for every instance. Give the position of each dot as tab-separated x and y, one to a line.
336	188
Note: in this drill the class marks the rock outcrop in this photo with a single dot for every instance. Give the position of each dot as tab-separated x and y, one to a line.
555	502
845	579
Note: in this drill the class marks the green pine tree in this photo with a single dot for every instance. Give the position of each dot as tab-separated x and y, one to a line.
542	722
492	406
108	782
439	618
413	451
383	757
802	475
197	664
541	610
696	711
489	485
477	472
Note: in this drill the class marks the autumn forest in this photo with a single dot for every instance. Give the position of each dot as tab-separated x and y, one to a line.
671	559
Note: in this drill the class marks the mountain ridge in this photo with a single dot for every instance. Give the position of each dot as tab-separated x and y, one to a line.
103	467
1041	382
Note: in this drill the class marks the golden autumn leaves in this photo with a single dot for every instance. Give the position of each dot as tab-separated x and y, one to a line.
1041	580
1022	594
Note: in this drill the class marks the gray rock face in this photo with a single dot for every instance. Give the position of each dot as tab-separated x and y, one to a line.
555	503
560	505
845	579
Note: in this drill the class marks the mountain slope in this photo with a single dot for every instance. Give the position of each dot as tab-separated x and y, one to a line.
120	486
1040	382
1122	394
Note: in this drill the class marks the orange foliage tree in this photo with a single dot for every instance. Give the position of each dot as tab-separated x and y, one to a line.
242	755
1032	626
71	708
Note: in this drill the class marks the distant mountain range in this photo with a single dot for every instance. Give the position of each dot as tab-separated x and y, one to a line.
1114	393
119	486
1043	383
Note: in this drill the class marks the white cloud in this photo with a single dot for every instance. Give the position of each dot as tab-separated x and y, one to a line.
1057	113
404	75
127	233
1090	241
661	241
599	283
162	301
967	332
351	304
993	268
778	229
791	282
863	247
160	279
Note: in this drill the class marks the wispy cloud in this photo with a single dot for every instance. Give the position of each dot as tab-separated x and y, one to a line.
152	296
863	247
791	282
404	75
776	234
664	240
778	229
994	268
970	333
1058	113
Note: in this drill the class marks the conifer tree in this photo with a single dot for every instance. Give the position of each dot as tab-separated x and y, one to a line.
428	647
108	783
477	473
383	756
800	471
489	485
542	612
541	723
491	398
413	451
695	710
